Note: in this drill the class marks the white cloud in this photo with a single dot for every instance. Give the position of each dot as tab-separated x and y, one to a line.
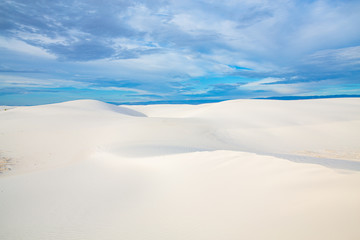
264	85
122	89
158	67
263	81
22	47
39	38
17	81
349	56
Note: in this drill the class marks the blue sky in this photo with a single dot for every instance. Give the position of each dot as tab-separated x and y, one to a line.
159	50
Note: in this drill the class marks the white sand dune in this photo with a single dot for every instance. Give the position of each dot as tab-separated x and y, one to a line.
90	170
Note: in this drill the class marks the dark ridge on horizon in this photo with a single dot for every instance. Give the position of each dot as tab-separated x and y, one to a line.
310	97
198	101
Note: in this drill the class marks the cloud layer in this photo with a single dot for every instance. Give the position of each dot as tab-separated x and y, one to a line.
157	49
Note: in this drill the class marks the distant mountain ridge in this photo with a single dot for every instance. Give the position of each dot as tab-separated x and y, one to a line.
202	101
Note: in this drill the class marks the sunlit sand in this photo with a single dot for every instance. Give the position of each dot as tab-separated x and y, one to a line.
242	169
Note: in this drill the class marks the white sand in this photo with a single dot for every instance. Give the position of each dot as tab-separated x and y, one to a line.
244	169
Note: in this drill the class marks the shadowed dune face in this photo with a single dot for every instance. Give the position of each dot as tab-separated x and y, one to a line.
42	136
66	132
326	128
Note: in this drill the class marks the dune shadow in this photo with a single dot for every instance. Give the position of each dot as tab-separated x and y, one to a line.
326	162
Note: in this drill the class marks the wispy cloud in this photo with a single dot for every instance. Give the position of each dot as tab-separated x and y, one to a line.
18	81
348	58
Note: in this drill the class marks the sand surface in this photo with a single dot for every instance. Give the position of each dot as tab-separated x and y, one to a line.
242	169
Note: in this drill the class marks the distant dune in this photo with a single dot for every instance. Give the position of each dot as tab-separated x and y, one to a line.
240	169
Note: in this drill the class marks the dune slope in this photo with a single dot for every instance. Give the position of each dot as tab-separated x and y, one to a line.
90	170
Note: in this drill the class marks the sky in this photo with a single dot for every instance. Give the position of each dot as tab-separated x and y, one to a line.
177	50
